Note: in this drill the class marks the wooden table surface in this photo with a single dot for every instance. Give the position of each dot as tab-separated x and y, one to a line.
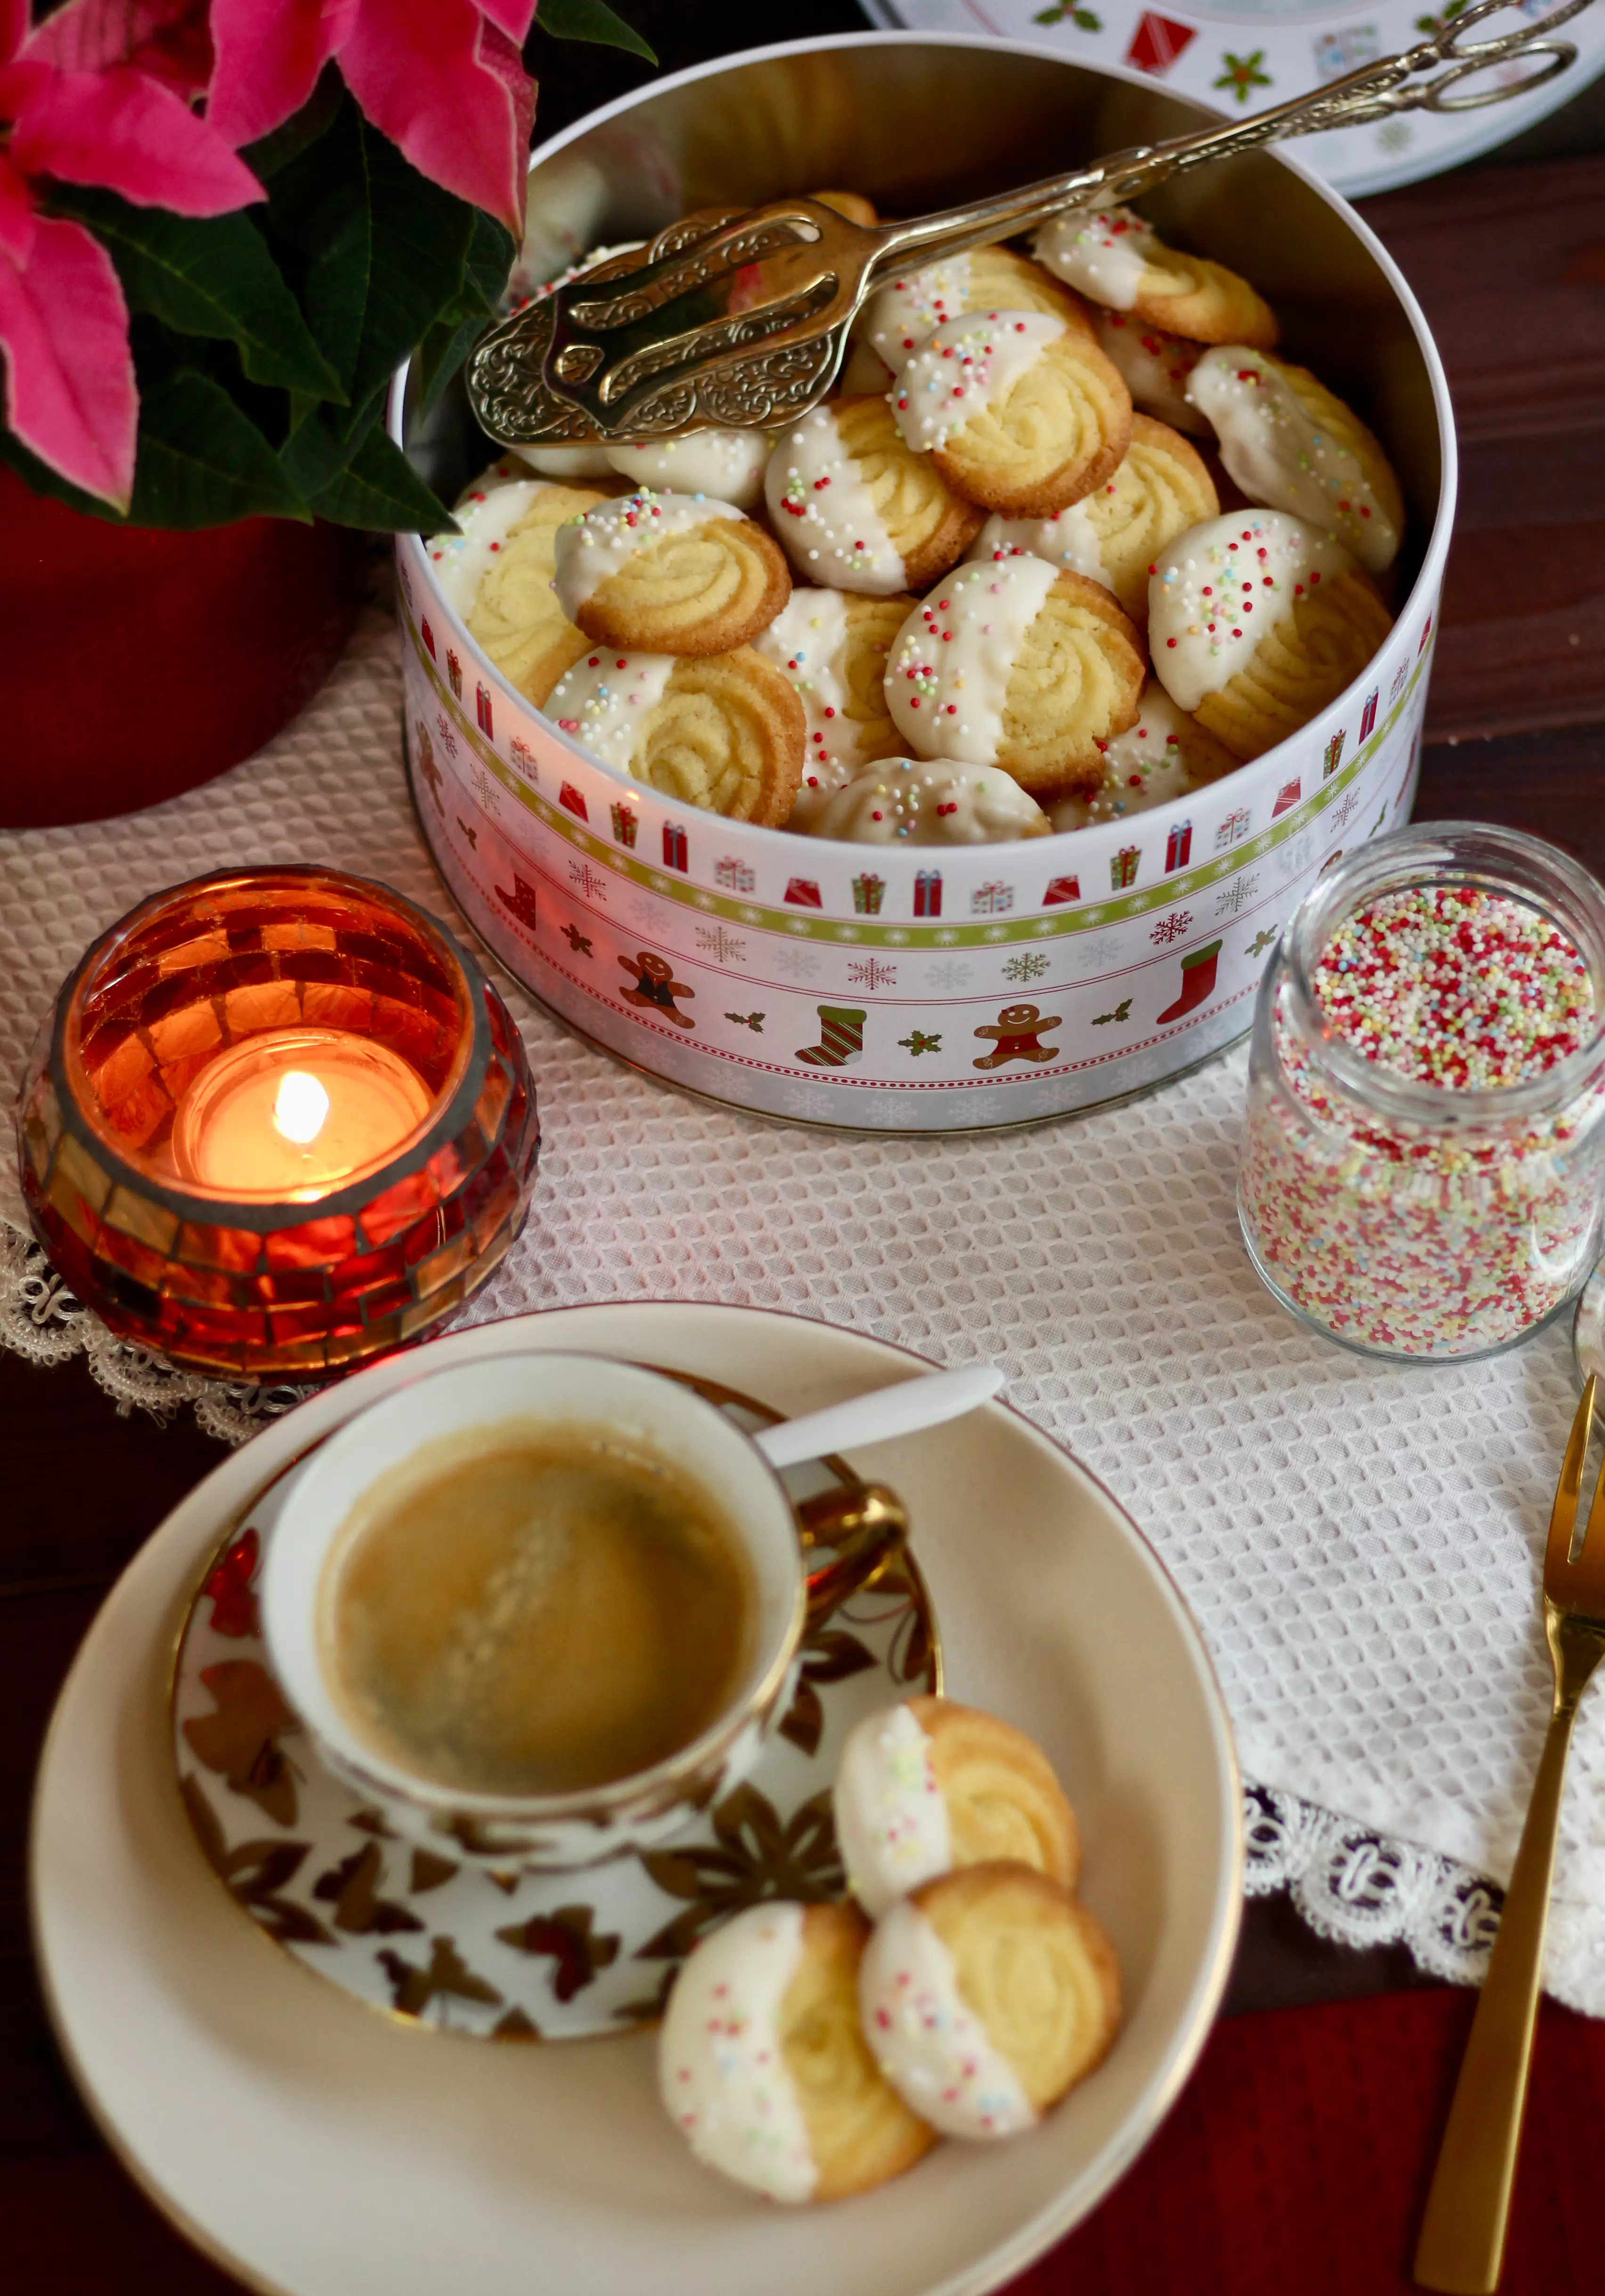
1509	260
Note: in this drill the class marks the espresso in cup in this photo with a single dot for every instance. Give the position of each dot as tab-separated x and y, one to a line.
535	1609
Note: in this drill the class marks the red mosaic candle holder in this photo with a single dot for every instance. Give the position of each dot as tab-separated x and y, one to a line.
240	1287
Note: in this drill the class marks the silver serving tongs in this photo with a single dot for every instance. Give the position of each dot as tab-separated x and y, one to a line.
741	317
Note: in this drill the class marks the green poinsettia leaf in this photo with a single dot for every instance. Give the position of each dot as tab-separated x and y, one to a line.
319	113
593	20
440	354
201	461
323	442
378	488
209	275
491	249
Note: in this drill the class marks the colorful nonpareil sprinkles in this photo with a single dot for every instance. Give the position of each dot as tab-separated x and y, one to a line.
1417	1236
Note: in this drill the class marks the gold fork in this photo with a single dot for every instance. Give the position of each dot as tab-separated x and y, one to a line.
1462	2235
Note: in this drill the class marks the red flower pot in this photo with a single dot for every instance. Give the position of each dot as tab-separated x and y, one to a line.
145	662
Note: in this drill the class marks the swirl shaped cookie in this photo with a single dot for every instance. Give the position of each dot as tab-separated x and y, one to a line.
722	732
1113	535
1165	754
924	801
857	509
930	1786
669	574
498	573
986	1996
832	646
1017	664
1256	621
1115	257
1156	367
1018	411
763	2063
898	317
1293	445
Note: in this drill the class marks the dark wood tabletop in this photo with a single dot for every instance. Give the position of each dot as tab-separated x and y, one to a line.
1509	260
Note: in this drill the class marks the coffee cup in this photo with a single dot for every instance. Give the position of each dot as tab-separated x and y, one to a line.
492	1586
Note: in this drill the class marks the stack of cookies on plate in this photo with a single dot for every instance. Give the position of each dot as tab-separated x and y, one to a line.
1071	542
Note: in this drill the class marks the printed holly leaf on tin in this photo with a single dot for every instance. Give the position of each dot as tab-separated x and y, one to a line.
241	1739
353	1886
255	1872
566	1935
828	1656
753	1858
446	1976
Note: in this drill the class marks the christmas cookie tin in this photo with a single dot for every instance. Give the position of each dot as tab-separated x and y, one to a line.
897	987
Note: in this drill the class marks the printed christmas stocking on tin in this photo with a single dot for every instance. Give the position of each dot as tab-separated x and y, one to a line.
1198	981
840	1038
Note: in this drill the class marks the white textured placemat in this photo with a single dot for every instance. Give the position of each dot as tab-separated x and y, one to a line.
1360	1544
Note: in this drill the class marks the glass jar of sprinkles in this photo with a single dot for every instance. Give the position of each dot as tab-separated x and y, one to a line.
1422	1166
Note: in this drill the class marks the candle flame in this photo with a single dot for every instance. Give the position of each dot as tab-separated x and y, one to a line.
301	1107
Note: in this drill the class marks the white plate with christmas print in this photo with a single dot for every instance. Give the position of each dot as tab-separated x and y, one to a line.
315	2148
1239	56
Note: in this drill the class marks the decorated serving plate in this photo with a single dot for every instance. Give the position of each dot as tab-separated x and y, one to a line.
315	2148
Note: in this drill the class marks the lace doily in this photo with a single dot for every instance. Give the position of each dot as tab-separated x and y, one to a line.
1359	1542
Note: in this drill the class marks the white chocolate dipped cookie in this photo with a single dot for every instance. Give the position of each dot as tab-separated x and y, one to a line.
923	801
1113	535
1291	445
832	646
857	509
1165	754
724	731
763	2065
1017	664
986	1996
1020	411
928	1786
498	573
727	466
1256	621
1156	367
1115	257
899	316
662	573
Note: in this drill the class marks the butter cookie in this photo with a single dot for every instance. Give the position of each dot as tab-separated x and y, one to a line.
763	2063
1113	535
723	731
1290	444
1165	754
930	1786
857	509
1156	367
663	573
498	573
1019	411
1017	664
900	317
727	465
832	646
1115	257
923	801
986	1996
1256	621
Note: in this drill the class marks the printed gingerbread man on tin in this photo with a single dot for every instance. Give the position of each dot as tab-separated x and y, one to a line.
1017	1028
656	986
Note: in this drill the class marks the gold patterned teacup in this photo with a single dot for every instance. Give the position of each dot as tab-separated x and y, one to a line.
521	1396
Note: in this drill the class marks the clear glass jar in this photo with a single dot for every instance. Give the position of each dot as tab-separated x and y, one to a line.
1415	1217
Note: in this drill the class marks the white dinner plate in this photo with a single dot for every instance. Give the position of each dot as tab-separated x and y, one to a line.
316	2149
1244	55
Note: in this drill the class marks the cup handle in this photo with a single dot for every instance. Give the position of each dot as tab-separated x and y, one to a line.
866	1524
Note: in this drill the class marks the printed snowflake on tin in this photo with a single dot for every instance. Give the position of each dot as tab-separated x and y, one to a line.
810	1101
1175	927
591	882
1103	948
1347	806
723	946
949	975
873	974
1237	895
641	911
1294	858
796	963
1027	967
484	790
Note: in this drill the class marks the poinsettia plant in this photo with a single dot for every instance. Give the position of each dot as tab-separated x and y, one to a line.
224	223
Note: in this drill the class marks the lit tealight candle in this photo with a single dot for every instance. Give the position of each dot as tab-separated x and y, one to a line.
293	1113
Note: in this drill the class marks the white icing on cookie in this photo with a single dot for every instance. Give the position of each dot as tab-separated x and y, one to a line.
825	512
721	2072
898	317
807	642
1103	252
928	2043
566	463
603	539
963	367
1217	588
728	465
486	515
925	801
1067	540
606	699
1155	367
1281	454
947	675
891	1821
1146	766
